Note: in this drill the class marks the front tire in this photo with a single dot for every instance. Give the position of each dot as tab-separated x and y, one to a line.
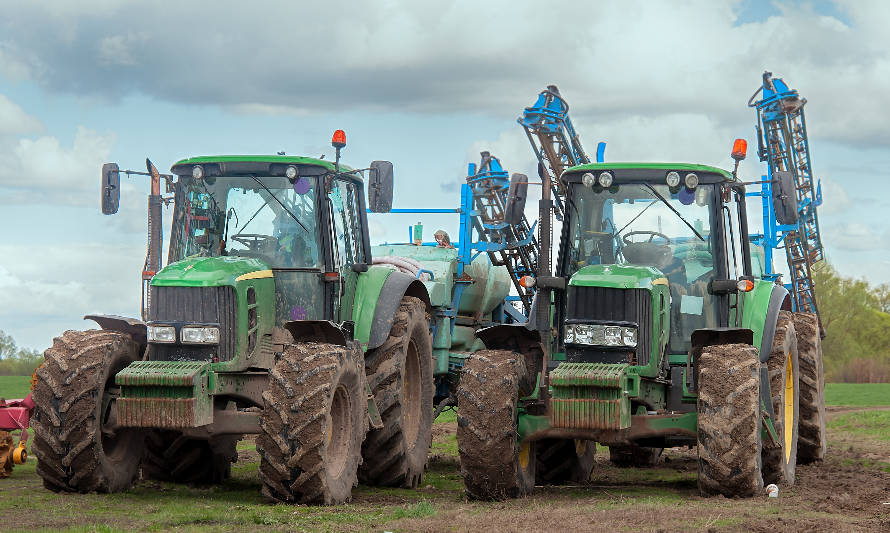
400	373
77	444
313	422
729	440
780	463
171	456
493	463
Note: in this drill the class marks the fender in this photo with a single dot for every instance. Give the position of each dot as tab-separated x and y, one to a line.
517	338
779	300
322	331
133	327
385	305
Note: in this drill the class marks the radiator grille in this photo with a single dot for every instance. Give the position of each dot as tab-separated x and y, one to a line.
201	305
608	304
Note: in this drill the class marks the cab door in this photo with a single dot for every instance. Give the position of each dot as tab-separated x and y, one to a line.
344	214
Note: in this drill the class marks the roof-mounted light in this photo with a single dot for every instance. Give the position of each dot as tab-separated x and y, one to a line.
739	149
291	172
673	178
588	179
339	139
605	179
197	172
691	180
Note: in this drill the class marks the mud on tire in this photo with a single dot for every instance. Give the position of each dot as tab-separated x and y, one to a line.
171	456
493	464
780	463
400	373
811	442
74	443
729	441
313	422
562	461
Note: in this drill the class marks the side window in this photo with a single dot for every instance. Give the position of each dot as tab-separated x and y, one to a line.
735	267
344	214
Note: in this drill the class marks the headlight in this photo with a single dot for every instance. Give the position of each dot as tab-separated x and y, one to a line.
290	172
606	179
588	179
197	172
200	335
600	335
673	179
161	333
691	181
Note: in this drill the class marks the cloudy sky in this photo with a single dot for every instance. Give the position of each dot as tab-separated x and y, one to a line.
426	84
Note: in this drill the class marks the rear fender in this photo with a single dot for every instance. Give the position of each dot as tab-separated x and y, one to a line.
377	301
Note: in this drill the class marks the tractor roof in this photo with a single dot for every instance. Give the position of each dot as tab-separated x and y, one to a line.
239	165
683	167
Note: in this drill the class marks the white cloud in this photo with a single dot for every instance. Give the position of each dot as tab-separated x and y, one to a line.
14	120
856	237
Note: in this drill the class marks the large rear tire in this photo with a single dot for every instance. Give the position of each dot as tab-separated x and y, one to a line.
400	373
780	463
313	422
812	443
563	461
494	465
78	445
171	456
729	440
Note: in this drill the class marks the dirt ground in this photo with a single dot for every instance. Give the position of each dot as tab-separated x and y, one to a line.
849	491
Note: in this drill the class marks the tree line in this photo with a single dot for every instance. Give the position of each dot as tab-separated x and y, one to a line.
15	361
856	319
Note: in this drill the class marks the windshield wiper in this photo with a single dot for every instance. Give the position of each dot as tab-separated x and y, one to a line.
288	211
660	197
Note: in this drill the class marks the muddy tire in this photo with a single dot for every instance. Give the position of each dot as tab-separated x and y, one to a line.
400	373
634	456
77	446
780	463
494	465
729	421
313	422
564	461
811	443
171	456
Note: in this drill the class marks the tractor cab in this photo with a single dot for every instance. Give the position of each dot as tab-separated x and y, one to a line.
642	244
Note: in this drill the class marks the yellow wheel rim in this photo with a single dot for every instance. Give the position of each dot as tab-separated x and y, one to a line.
788	428
524	455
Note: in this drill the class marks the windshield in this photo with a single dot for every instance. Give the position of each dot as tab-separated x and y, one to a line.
268	218
648	225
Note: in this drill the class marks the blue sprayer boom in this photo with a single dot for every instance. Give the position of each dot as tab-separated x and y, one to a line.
783	145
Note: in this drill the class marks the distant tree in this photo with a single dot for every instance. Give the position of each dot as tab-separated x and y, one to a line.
15	361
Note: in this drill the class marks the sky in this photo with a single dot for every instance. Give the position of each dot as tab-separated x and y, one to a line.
424	84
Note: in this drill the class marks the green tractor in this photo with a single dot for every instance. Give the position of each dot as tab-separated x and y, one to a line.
269	319
659	335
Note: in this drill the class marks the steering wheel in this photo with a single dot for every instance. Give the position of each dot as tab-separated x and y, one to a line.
251	240
651	234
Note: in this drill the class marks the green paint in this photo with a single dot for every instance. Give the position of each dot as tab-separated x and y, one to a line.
590	396
616	276
206	271
685	167
367	293
755	305
285	159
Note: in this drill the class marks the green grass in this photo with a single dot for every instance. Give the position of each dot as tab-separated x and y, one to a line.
857	394
870	424
14	386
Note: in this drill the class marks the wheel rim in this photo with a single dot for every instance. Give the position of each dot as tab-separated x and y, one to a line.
524	455
339	433
788	420
412	390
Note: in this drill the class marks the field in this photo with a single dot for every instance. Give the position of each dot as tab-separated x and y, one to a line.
846	493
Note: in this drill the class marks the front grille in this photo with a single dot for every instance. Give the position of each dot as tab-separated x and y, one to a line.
195	305
607	304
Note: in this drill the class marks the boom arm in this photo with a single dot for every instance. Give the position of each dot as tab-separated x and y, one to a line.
783	145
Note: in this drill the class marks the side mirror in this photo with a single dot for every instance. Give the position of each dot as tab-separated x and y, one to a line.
516	195
784	197
111	188
380	187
